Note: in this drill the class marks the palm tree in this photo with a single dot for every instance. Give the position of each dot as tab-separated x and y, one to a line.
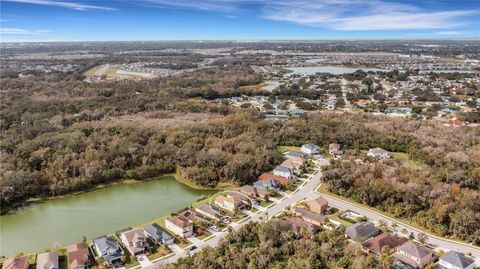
422	238
394	226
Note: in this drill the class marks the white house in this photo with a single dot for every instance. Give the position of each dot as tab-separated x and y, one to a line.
310	149
455	260
379	153
179	226
283	172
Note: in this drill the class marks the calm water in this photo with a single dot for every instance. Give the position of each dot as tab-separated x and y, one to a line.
66	220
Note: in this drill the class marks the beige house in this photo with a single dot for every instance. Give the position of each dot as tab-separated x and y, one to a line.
318	205
77	256
179	226
16	263
414	255
229	202
135	240
208	211
47	260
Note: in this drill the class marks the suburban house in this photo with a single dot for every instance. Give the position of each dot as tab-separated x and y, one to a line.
158	234
310	149
283	172
376	244
268	176
318	205
309	216
455	260
414	255
207	211
109	249
335	149
379	153
179	226
48	260
294	164
254	192
298	223
229	202
77	256
16	263
267	185
190	215
361	231
135	240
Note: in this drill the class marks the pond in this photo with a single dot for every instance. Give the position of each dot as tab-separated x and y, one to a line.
63	221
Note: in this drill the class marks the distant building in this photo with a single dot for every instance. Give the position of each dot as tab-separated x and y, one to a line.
455	260
179	226
379	153
48	260
310	149
361	231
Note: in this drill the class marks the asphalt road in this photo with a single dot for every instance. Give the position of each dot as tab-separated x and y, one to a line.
308	191
438	242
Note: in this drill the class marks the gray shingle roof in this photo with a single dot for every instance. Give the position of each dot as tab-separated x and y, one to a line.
415	250
283	169
157	232
362	231
457	259
108	247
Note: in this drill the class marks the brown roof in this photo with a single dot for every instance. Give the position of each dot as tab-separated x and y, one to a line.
77	255
47	260
298	223
279	179
134	236
334	146
415	250
307	214
320	201
16	263
207	209
375	244
249	190
180	222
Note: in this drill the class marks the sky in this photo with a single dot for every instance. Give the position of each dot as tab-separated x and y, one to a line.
104	20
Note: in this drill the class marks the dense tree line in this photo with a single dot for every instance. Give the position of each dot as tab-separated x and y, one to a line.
274	245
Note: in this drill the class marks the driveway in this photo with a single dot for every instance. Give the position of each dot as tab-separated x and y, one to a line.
195	240
144	261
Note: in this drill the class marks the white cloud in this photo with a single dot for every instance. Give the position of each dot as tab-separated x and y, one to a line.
70	5
19	31
449	33
335	14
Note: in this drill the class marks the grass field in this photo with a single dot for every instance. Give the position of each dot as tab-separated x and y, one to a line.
255	87
283	149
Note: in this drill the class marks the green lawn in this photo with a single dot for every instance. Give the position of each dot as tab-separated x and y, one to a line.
161	251
204	235
265	203
282	149
182	243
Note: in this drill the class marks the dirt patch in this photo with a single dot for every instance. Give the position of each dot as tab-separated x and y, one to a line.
157	119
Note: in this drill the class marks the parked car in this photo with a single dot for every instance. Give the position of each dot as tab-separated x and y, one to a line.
215	228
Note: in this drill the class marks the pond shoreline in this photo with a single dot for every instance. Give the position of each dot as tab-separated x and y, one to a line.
19	205
93	213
